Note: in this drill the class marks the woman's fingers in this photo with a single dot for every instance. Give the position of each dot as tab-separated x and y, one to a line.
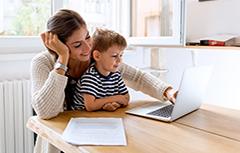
43	36
175	94
50	38
47	39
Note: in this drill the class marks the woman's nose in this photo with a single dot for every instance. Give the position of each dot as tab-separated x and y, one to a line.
89	42
87	46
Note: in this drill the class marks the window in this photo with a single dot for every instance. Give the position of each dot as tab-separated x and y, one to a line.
21	21
97	13
152	18
157	22
142	22
23	17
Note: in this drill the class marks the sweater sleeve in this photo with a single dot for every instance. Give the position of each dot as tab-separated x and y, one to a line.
47	88
142	81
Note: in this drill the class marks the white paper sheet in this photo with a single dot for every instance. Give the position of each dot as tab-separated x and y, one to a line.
95	131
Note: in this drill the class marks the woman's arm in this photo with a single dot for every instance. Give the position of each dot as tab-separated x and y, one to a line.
47	87
144	82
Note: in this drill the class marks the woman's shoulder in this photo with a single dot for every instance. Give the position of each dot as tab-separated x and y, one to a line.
43	58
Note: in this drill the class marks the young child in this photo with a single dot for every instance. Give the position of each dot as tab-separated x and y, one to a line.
102	87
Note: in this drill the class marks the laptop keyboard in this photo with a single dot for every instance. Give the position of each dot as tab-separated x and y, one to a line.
163	112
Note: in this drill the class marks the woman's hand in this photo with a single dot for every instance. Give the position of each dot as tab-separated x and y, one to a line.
52	42
171	95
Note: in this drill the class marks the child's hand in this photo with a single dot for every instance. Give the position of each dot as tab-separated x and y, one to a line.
111	106
116	104
123	99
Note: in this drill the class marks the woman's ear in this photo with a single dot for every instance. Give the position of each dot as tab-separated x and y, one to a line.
96	55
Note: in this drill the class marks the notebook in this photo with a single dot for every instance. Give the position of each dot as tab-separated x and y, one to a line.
190	95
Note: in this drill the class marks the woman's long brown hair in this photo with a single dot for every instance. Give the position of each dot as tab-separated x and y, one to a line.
63	23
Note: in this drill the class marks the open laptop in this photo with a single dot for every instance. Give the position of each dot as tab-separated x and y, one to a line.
190	95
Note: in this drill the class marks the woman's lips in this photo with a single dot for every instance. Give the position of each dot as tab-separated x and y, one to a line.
85	54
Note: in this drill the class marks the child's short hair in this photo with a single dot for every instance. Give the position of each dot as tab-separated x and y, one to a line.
103	39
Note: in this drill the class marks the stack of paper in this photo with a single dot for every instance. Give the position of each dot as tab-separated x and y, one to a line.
95	131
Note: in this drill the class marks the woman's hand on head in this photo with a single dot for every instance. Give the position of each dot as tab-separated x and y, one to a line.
52	42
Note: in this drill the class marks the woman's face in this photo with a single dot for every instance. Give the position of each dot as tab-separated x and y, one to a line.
80	44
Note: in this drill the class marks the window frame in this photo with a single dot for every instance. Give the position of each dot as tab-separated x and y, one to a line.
20	44
178	38
33	44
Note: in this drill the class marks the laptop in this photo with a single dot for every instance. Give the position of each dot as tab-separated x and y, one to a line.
190	95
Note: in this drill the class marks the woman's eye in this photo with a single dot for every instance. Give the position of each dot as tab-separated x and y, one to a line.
77	46
88	37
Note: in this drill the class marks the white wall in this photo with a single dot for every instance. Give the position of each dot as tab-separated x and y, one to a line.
206	19
212	17
1	16
140	58
15	57
16	54
224	85
15	66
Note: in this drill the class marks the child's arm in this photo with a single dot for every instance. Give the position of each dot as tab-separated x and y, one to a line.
127	98
123	99
115	105
93	104
111	106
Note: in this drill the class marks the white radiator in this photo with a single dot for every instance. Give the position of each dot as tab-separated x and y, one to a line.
15	109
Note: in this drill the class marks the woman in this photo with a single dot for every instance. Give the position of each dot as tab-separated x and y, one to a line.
54	72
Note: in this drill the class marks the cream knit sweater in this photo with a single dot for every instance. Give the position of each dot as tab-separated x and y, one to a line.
48	90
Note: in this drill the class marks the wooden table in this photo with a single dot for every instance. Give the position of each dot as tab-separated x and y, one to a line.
216	120
199	132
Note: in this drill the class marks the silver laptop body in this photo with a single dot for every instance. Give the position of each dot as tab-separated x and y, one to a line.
191	93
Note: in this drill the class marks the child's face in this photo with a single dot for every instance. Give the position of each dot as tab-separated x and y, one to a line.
111	59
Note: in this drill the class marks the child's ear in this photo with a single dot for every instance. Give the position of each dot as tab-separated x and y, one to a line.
96	55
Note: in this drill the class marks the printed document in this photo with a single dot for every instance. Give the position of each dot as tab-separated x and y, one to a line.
95	131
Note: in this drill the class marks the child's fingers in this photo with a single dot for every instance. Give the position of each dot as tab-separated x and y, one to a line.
116	104
109	107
